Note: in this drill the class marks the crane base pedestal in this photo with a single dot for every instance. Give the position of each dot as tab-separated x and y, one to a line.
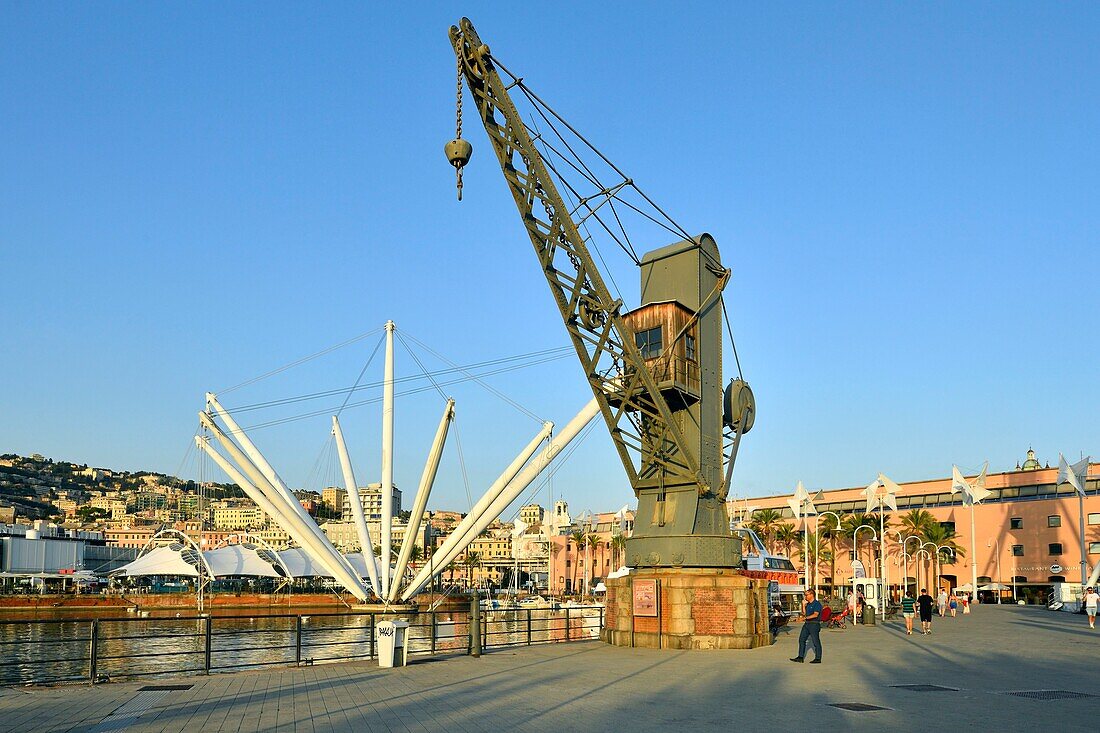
695	608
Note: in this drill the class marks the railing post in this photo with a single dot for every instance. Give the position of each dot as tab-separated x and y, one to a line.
298	640
93	653
528	627
475	626
433	613
568	634
371	655
208	623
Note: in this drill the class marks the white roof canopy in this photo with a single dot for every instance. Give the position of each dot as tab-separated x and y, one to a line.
240	560
164	560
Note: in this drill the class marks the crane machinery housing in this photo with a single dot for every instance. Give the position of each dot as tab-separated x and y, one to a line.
656	370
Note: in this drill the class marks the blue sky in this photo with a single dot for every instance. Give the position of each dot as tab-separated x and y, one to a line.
191	195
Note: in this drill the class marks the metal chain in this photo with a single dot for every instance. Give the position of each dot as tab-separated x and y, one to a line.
458	120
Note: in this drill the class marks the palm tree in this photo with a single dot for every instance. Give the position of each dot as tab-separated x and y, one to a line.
618	547
915	522
811	554
852	522
786	535
764	522
472	560
578	539
942	536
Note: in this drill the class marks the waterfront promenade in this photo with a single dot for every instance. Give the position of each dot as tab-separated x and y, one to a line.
593	687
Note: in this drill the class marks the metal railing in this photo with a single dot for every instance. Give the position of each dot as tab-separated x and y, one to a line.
103	649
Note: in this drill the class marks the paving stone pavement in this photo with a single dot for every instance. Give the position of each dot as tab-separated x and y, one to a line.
594	687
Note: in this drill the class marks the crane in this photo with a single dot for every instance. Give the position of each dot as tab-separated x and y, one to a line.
660	397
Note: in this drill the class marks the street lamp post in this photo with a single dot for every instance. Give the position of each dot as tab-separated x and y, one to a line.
855	545
817	548
988	545
921	551
935	570
905	554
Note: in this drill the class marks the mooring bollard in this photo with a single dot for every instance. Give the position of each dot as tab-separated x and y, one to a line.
475	626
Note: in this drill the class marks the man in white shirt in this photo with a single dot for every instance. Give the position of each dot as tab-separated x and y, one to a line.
1091	600
941	602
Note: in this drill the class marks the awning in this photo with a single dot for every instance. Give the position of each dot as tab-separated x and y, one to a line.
301	565
240	560
165	560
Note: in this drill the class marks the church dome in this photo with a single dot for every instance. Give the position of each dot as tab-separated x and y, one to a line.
1031	464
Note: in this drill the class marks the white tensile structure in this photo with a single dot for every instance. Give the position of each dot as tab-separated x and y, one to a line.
360	573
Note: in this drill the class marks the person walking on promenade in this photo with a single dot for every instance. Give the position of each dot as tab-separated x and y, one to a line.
941	602
966	605
924	603
1092	600
811	628
907	607
954	605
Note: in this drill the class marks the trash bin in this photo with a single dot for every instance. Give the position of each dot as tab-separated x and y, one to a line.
868	615
392	636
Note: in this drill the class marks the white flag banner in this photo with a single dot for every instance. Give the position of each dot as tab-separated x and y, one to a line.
621	516
519	528
978	488
891	489
1075	475
869	495
958	483
800	493
796	507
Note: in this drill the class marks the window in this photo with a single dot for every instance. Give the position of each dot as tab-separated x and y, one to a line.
1055	548
689	347
949	526
1020	579
1094	548
649	342
1018	550
1056	579
1054	520
1094	518
1016	523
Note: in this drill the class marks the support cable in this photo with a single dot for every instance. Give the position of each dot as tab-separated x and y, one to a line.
477	379
298	362
360	377
538	356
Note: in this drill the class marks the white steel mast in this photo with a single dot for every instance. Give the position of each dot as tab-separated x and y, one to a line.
387	462
361	529
515	487
427	480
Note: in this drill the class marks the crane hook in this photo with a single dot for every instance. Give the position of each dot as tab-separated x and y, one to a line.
458	151
458	154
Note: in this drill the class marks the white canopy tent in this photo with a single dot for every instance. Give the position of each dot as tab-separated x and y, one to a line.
241	560
163	560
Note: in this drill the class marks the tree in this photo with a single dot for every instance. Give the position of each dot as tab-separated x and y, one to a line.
764	522
852	522
471	561
786	536
89	514
577	538
812	554
916	522
618	547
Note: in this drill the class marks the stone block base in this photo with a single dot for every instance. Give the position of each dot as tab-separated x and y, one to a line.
700	608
